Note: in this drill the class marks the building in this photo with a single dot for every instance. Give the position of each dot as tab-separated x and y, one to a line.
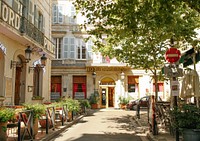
25	45
78	72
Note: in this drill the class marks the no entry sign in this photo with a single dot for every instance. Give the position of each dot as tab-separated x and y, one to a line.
172	55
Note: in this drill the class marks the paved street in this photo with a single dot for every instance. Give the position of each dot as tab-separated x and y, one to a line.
103	125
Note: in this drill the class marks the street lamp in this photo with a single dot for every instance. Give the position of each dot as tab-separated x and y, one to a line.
28	52
94	79
43	60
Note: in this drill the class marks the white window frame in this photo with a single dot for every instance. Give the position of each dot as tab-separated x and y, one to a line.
69	48
57	14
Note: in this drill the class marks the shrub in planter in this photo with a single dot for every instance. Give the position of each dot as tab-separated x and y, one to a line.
6	114
188	121
73	106
84	103
38	110
94	99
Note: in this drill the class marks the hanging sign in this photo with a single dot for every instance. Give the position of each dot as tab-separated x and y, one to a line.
175	88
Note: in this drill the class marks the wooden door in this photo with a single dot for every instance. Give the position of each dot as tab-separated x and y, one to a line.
17	85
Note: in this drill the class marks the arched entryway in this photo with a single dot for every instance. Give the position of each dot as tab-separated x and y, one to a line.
19	94
107	92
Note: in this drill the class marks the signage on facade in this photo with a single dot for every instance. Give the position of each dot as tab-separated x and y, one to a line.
94	69
10	17
2	48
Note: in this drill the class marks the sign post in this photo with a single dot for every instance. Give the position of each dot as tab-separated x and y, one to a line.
173	55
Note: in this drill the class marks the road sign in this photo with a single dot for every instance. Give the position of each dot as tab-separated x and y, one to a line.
172	55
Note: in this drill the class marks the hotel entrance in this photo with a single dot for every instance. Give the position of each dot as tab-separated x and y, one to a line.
107	93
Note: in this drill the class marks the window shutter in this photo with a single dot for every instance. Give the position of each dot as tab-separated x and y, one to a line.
65	47
72	48
60	14
54	13
73	13
89	45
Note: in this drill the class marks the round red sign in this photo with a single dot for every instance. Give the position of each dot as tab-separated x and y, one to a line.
172	55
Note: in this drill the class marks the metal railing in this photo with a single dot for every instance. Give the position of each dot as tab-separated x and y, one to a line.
28	125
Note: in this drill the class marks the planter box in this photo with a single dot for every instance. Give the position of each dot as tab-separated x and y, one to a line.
94	106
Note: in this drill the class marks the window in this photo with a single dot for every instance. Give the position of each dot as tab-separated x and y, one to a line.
160	87
89	45
57	14
79	87
58	44
69	47
81	49
56	87
72	14
37	83
133	82
31	12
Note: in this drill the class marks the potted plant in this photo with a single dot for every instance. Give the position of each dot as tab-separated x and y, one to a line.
84	103
186	119
123	101
73	106
6	114
38	110
94	99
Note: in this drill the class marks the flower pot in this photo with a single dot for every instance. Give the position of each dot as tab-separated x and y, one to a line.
94	106
3	129
191	135
69	116
43	123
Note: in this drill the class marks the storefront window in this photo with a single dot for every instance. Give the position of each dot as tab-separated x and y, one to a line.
133	83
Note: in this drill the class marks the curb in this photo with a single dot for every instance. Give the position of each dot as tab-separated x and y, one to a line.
57	132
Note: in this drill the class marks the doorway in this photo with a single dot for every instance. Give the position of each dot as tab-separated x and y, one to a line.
107	92
17	85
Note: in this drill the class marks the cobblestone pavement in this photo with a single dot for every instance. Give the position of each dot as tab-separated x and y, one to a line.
104	125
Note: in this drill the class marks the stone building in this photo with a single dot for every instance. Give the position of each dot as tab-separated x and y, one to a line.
78	72
25	47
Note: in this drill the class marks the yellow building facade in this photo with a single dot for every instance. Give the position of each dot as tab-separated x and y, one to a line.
25	45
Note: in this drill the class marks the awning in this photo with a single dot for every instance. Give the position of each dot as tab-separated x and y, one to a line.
187	57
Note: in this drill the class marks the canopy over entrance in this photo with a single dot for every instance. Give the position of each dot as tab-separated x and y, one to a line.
190	57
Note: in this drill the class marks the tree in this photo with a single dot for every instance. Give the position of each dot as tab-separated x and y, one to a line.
138	32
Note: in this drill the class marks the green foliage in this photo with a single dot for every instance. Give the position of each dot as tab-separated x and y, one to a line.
139	32
187	117
72	104
123	100
84	103
38	109
94	98
6	114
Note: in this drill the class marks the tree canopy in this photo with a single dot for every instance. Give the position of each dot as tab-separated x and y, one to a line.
138	32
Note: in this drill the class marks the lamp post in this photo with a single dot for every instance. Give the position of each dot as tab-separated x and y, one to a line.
94	79
43	60
28	52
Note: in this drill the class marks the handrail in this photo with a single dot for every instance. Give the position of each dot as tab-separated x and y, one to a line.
50	114
64	113
27	122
